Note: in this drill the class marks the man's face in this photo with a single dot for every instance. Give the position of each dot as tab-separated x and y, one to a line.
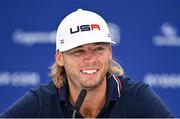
86	66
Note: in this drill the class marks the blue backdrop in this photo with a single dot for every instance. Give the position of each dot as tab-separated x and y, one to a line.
147	32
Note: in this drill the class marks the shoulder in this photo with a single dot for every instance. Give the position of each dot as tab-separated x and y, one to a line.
36	102
45	89
130	86
137	96
46	96
137	92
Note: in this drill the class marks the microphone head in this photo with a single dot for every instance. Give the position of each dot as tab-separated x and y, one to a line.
80	99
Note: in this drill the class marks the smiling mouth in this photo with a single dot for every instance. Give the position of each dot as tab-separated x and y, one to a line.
89	71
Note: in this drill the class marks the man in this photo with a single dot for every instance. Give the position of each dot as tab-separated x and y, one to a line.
84	61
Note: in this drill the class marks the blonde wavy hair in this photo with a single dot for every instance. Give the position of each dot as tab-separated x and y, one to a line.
59	75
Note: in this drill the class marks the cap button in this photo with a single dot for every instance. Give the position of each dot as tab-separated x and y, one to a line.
79	10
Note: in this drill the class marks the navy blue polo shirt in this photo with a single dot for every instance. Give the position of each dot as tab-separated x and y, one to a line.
113	94
125	98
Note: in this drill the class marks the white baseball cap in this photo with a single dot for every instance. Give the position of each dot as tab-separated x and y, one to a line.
79	28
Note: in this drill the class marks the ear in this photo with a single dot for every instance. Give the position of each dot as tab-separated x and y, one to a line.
59	59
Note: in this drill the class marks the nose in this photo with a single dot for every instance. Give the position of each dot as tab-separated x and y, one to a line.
90	57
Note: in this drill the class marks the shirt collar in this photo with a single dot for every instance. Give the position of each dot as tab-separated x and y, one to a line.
113	89
64	92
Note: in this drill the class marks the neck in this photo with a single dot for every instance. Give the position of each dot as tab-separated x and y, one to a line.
93	103
94	100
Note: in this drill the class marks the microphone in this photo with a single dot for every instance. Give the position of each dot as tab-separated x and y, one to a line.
79	101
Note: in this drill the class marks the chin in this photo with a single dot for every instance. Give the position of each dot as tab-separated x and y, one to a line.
91	85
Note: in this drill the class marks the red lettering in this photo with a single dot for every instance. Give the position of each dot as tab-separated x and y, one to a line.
84	28
95	26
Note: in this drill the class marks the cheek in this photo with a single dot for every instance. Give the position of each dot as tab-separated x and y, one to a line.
71	63
110	56
106	58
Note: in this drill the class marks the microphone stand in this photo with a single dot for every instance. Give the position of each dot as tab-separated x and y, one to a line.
79	102
74	114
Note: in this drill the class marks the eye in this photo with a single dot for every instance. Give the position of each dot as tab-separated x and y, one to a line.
78	52
100	49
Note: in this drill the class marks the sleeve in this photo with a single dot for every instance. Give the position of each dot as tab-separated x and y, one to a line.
26	106
150	105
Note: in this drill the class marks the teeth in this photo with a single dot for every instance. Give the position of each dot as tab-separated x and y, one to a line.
89	71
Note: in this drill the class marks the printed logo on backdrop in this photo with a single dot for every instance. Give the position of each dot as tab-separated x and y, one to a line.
164	80
19	79
168	37
115	32
30	38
